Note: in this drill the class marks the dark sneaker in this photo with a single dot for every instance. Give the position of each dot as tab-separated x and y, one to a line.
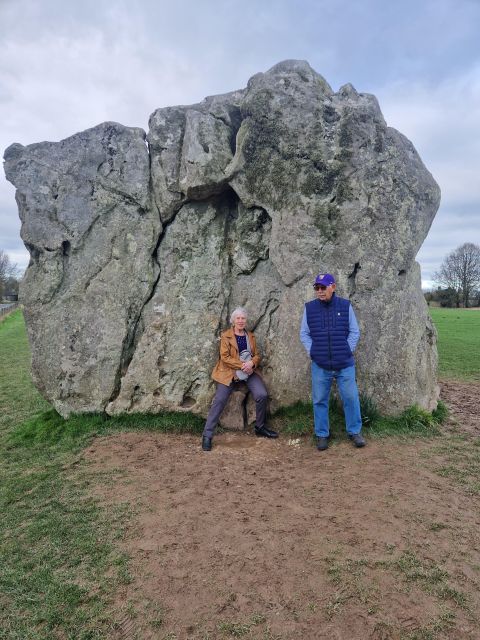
357	439
263	432
322	443
206	443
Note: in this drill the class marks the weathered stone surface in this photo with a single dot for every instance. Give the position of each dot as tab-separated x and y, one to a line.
88	224
234	416
190	148
138	255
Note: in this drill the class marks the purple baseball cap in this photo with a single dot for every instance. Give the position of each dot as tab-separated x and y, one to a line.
325	279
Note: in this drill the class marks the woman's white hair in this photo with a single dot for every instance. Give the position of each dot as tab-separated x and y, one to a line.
236	312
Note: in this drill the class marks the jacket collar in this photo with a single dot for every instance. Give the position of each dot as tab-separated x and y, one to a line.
231	334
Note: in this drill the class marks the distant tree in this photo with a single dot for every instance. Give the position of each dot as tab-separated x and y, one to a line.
442	297
446	297
8	274
460	271
12	285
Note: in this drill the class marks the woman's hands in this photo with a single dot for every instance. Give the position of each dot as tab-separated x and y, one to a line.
247	367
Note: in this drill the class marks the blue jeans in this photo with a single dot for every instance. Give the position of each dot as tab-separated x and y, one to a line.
321	384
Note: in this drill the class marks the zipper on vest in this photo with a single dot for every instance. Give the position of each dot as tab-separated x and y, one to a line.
330	326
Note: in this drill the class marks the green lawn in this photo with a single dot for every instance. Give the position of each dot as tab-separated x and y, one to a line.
458	342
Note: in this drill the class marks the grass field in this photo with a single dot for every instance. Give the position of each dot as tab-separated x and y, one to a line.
458	342
59	554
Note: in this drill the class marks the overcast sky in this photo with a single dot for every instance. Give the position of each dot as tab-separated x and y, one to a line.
67	65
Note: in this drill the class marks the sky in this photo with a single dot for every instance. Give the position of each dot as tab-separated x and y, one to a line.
68	65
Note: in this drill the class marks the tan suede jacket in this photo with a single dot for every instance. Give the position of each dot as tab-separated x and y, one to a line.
229	362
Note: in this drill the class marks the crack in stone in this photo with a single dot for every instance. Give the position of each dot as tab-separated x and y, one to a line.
131	341
270	308
122	194
129	347
99	271
180	146
352	278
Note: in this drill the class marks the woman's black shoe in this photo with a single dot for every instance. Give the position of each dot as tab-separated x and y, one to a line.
206	443
263	432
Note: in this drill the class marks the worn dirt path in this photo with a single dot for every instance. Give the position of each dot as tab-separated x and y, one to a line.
272	539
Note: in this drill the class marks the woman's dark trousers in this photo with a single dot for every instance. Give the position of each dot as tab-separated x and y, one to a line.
257	389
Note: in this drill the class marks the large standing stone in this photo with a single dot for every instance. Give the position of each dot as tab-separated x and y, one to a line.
137	261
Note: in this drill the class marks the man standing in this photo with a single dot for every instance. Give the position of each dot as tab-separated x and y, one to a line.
330	333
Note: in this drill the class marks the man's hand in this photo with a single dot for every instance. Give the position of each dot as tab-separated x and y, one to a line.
247	367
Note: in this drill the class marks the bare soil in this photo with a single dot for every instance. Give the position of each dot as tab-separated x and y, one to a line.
275	540
463	400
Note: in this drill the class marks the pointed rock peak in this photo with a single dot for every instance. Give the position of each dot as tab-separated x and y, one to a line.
300	67
348	90
295	70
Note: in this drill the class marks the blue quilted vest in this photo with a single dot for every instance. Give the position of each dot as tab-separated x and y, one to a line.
329	325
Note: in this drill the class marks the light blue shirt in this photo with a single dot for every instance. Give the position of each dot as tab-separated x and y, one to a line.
353	331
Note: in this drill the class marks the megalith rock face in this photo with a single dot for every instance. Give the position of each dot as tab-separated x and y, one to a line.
139	253
88	223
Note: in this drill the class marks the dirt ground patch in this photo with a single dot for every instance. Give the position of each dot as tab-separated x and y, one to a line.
274	540
463	400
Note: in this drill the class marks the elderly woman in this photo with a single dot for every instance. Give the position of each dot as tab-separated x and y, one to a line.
239	360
